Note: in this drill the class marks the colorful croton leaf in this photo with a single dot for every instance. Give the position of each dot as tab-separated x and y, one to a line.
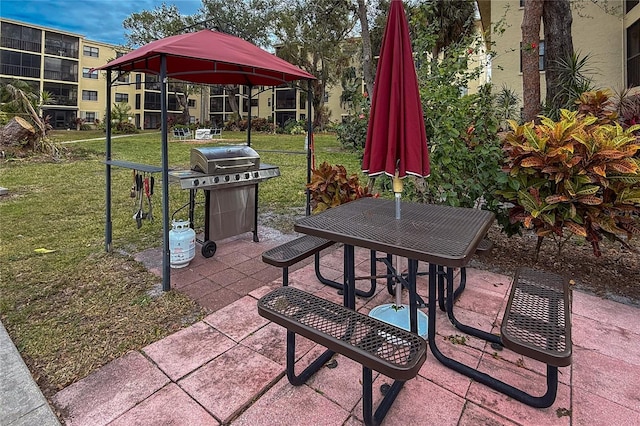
577	176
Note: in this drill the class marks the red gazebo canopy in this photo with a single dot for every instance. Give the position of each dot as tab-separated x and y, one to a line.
210	57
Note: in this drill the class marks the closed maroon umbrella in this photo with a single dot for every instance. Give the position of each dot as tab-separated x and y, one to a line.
396	142
396	138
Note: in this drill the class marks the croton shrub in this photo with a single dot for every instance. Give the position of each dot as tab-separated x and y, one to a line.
331	186
577	176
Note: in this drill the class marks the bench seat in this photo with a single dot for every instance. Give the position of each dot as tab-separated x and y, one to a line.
374	344
536	323
294	251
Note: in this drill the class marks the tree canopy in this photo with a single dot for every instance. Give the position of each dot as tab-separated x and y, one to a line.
313	35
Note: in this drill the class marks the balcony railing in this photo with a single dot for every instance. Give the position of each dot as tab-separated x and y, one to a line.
152	86
18	70
67	52
64	100
15	43
59	75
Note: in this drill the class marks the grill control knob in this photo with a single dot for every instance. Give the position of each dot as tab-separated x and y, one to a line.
247	175
237	177
216	179
256	175
226	178
196	182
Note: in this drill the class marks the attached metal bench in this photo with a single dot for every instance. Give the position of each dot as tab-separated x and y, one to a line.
537	321
536	324
374	344
292	252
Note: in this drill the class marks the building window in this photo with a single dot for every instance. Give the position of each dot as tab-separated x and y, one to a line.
60	69
90	51
138	81
63	94
152	101
123	78
89	95
152	82
122	97
21	38
19	64
191	103
137	100
541	61
286	99
87	73
61	45
633	55
630	4
90	117
216	104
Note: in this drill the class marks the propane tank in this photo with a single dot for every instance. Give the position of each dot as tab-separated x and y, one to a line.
182	243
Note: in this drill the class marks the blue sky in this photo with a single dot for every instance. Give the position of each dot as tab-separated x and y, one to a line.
99	20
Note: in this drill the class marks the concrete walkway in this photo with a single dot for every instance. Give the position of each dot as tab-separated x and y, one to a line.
21	402
97	139
229	367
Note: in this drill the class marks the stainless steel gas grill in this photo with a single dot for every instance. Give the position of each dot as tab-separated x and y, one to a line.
229	177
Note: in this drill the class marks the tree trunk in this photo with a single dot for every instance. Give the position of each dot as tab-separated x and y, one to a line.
558	45
183	101
530	60
367	55
16	132
232	90
317	102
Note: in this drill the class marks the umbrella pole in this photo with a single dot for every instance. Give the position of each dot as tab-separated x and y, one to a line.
398	284
397	190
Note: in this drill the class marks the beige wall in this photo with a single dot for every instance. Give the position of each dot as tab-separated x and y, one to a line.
105	52
594	31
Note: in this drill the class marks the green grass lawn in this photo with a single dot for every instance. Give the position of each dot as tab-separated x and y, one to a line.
76	308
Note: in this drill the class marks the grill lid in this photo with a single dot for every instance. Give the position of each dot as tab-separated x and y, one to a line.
224	159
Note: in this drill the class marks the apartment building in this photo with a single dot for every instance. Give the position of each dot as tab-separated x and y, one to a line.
610	35
61	63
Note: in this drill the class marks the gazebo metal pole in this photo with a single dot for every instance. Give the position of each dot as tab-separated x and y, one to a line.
309	139
166	268
255	204
249	118
108	225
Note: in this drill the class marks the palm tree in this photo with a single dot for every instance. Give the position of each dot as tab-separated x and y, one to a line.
18	98
573	78
507	106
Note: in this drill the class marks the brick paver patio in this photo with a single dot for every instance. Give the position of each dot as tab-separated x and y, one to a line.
229	368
